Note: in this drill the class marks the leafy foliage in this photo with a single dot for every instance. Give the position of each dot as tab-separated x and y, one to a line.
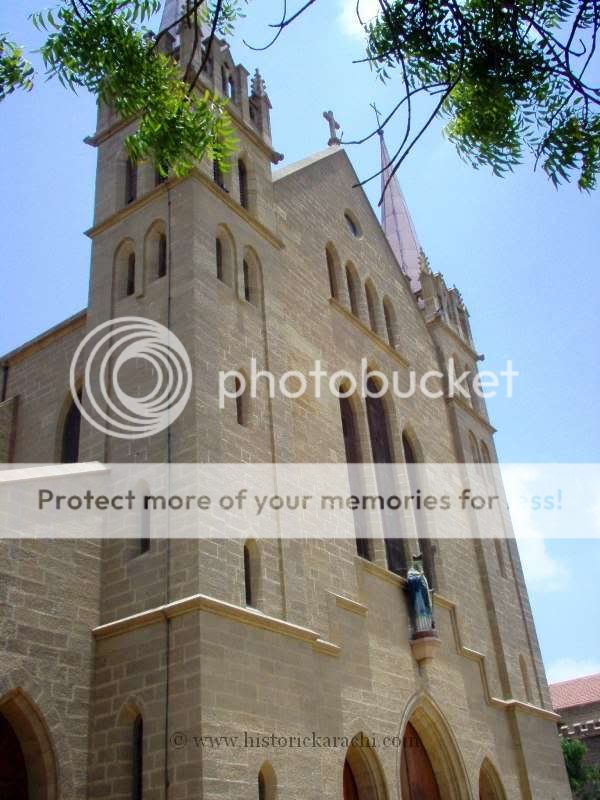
104	47
502	76
583	780
15	71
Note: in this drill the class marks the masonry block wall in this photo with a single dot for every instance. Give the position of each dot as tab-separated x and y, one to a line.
325	646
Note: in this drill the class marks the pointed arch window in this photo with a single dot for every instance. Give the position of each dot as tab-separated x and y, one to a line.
70	434
390	321
162	255
218	175
241	403
353	289
130	287
332	274
143	498
352	449
225	256
381	449
251	573
219	258
243	182
372	304
252	280
137	772
131	177
426	546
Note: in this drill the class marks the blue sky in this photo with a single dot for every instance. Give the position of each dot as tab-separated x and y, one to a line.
524	255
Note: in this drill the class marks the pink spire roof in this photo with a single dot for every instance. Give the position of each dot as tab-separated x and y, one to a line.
397	223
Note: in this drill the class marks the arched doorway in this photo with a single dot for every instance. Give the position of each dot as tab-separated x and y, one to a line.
431	766
363	778
13	771
27	762
417	777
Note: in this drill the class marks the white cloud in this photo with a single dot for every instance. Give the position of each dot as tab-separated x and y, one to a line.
565	669
348	18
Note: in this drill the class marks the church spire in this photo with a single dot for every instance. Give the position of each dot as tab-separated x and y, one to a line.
397	223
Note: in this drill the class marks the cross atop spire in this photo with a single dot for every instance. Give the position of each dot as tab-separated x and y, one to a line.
396	221
334	127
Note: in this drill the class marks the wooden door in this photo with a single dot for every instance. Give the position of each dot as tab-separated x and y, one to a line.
416	773
350	790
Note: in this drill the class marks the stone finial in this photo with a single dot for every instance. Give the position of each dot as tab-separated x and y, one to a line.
334	126
259	88
424	264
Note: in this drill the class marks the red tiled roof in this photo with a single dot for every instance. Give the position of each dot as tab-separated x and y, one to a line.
577	692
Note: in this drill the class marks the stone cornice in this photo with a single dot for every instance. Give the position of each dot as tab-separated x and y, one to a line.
202	602
254	618
163	188
381	343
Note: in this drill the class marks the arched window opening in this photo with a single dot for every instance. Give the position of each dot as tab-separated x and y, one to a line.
241	403
468	384
353	289
124	271
252	281
162	255
250	574
525	677
243	181
155	253
144	531
28	769
389	316
225	257
426	545
246	281
218	175
362	775
130	287
219	258
137	770
267	783
381	449
490	786
352	224
332	274
352	449
224	82
131	176
372	304
71	433
475	455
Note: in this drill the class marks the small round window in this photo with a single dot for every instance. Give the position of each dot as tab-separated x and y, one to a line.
352	224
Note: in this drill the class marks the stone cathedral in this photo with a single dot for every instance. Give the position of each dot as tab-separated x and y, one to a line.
159	668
